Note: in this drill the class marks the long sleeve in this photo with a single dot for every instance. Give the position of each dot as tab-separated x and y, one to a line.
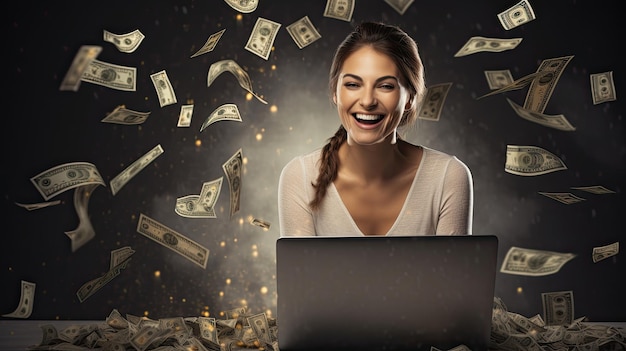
457	203
294	214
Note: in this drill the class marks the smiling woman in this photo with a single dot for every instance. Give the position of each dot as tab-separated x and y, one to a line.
367	180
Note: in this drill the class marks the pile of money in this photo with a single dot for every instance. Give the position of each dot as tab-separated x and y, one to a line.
238	330
242	330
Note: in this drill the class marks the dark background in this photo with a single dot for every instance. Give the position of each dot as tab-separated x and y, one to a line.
45	127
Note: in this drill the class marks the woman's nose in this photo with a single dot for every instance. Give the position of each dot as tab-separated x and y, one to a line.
368	99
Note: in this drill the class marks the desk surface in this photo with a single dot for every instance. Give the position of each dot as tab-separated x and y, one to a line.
19	335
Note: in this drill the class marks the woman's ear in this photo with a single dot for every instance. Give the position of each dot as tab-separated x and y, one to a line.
335	98
409	103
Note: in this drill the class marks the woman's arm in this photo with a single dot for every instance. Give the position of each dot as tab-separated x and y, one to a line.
294	215
457	207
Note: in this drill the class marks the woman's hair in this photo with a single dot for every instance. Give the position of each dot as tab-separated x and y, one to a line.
402	49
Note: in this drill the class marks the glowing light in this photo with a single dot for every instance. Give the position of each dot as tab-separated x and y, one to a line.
198	143
240	221
255	254
263	290
221	294
273	67
222	244
273	108
239	17
228	281
259	137
205	313
146	313
157	274
520	290
248	96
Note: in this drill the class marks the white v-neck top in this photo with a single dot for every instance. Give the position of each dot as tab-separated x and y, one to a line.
440	201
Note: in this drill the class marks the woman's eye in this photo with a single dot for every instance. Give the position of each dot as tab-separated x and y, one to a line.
387	86
351	85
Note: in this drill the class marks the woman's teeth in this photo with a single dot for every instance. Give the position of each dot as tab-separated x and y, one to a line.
368	118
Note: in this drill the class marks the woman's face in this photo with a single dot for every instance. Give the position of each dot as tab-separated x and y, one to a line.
370	99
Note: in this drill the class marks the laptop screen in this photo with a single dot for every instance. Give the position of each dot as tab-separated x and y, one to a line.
385	293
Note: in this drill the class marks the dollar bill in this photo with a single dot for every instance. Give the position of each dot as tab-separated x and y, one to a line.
203	205
558	307
141	340
530	262
187	206
235	313
566	198
119	261
498	78
259	324
602	87
82	59
303	32
164	88
50	334
210	193
339	9
116	320
184	117
118	256
38	205
173	240
552	121
208	329
260	223
122	115
210	43
58	179
74	333
27	299
483	44
131	171
231	66
603	252
84	232
432	105
243	6
594	189
193	343
531	161
516	15
111	75
516	85
128	42
399	5
541	89
262	37
226	112
233	169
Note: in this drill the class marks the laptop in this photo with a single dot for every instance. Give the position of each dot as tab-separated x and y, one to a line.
385	293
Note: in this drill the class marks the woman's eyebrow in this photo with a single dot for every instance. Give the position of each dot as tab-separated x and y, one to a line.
354	76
